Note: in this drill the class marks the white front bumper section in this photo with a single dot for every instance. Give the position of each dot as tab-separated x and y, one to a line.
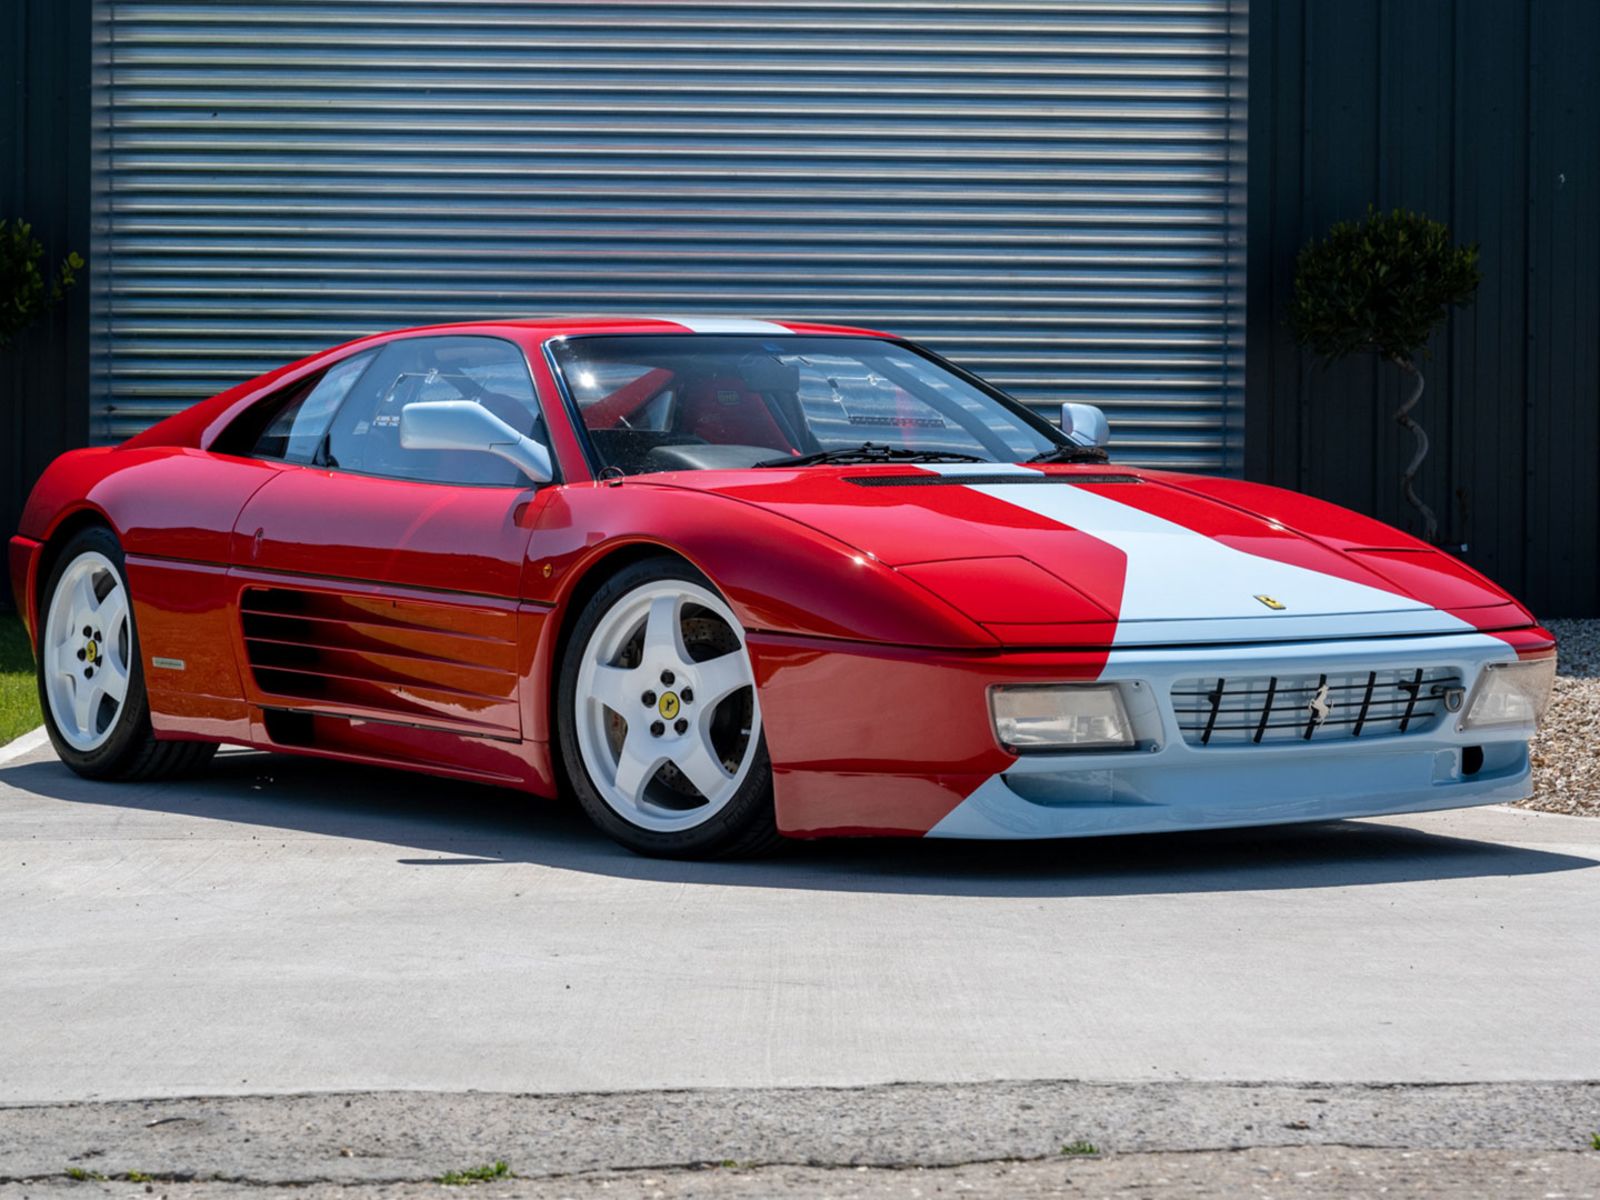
1172	785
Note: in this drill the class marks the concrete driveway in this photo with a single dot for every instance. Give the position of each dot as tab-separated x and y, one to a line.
285	925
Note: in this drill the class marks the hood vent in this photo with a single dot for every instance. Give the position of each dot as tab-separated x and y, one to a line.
980	480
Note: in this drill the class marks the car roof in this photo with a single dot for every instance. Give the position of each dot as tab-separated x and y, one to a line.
676	324
199	424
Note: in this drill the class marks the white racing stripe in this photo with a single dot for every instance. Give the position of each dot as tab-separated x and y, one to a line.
724	325
1181	590
1177	578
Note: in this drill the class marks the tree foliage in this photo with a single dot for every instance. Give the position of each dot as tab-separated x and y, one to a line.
1382	285
26	293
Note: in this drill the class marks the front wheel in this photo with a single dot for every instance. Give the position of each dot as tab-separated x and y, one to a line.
659	720
91	682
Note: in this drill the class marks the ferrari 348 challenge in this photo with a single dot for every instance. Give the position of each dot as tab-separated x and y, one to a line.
729	580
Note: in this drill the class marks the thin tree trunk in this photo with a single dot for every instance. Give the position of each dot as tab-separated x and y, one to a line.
1402	417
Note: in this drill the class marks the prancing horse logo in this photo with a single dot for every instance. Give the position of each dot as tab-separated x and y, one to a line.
1274	605
1319	706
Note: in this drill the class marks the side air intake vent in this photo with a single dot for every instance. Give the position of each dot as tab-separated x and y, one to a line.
431	664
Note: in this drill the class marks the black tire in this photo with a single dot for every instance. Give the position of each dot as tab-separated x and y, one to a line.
745	827
132	751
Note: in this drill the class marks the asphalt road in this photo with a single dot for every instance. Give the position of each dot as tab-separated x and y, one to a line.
284	925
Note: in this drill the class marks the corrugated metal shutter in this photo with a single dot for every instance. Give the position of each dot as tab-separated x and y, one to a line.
1048	192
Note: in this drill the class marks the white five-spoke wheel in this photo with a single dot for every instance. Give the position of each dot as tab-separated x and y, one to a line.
669	721
660	713
91	686
87	650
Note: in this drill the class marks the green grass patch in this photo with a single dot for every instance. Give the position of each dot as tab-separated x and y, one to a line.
1080	1149
483	1174
1594	1141
19	697
82	1176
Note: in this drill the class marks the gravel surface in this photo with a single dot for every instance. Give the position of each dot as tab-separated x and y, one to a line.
369	1139
1312	1172
1566	754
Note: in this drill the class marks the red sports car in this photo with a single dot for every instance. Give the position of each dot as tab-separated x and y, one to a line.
730	580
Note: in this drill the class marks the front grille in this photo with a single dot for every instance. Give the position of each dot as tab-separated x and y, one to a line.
1258	709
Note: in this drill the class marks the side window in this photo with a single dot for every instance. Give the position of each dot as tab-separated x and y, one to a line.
296	431
365	435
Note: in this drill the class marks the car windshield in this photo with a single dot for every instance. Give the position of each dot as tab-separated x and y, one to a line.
695	401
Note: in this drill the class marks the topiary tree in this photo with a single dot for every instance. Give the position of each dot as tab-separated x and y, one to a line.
25	293
1383	286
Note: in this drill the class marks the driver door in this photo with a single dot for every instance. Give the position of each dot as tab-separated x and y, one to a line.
382	585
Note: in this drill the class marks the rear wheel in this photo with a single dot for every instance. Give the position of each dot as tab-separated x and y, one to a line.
91	682
659	720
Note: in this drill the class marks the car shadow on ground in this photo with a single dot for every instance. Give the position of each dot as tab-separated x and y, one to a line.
444	824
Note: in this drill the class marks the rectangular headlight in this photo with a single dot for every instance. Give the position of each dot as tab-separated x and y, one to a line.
1060	716
1511	693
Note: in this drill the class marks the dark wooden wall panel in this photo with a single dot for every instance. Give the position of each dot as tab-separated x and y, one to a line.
1563	300
1415	160
1485	114
44	144
1488	342
1342	49
1272	386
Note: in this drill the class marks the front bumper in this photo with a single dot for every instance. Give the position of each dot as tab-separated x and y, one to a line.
1277	786
899	742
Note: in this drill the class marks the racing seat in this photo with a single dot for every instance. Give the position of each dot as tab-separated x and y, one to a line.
724	411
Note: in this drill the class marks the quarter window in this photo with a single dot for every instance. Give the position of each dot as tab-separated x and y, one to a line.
297	430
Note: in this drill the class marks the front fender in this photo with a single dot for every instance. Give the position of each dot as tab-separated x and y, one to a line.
778	575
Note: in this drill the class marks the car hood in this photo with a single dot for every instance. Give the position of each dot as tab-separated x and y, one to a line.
1061	556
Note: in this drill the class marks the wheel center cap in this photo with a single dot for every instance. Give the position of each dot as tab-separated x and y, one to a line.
91	652
667	706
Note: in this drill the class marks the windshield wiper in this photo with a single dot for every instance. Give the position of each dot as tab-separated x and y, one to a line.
869	452
1071	453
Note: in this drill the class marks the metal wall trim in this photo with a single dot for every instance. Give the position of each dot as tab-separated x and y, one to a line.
1048	193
